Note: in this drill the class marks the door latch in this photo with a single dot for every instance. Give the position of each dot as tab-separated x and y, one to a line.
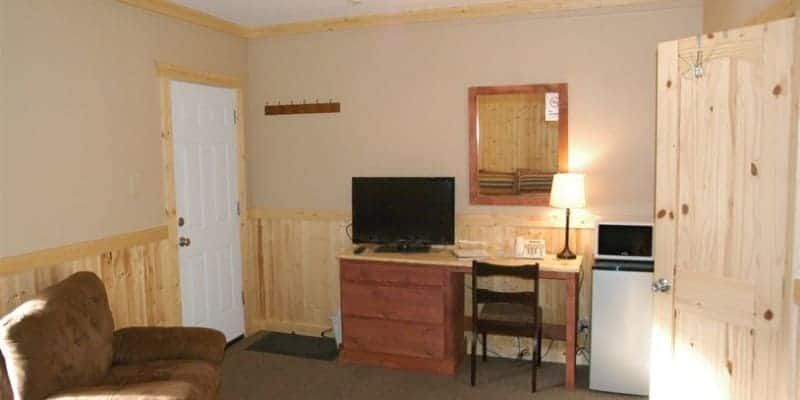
662	285
184	242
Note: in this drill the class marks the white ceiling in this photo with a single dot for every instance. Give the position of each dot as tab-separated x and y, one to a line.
255	13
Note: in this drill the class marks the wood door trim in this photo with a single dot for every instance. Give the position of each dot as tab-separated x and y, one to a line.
178	73
58	255
170	72
797	291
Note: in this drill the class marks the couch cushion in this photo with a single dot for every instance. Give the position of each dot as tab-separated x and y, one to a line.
60	339
160	390
175	379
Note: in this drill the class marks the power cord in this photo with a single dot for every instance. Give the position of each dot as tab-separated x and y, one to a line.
348	230
584	350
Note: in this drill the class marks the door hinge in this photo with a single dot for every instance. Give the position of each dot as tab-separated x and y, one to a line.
238	209
235	116
242	297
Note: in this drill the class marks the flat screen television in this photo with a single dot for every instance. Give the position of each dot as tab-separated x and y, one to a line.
404	214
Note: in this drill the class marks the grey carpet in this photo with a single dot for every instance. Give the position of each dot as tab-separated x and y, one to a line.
253	375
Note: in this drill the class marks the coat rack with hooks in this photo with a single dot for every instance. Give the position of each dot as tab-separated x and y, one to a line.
302	108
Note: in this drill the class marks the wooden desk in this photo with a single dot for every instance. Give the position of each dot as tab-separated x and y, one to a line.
443	313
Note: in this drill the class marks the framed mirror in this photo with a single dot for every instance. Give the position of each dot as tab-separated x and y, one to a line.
518	139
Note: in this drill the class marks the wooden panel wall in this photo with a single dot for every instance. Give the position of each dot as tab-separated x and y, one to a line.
292	273
514	135
143	287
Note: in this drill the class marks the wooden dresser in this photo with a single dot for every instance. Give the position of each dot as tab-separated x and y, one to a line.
402	316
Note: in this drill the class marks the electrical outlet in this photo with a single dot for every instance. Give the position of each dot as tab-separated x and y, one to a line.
583	325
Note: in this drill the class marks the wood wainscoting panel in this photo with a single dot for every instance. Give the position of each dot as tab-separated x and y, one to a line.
143	286
291	274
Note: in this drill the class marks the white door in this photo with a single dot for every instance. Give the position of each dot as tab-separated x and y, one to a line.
209	252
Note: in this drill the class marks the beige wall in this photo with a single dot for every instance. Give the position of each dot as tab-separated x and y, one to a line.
83	115
404	103
3	145
721	15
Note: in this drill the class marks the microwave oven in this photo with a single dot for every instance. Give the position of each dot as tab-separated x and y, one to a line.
631	241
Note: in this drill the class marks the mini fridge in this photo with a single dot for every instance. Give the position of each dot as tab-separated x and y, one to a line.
621	324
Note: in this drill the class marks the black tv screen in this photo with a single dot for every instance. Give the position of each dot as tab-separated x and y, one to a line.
392	210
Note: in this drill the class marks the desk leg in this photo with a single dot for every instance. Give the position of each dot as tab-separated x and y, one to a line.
572	322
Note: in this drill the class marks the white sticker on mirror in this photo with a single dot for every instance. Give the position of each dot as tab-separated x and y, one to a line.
551	106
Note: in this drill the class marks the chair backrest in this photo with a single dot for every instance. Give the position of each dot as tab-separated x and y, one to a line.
485	296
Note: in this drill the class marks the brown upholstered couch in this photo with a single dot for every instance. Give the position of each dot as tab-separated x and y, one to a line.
62	345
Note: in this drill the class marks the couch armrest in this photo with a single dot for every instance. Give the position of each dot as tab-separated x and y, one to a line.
136	345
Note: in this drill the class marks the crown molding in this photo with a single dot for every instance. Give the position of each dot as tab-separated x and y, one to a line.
779	10
498	9
485	10
190	15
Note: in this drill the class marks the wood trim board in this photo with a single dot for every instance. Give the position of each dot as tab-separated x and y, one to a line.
496	9
486	220
58	255
179	73
189	15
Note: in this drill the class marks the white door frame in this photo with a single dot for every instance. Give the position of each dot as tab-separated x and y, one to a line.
168	73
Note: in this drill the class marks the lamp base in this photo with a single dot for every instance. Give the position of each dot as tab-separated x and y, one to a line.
566	254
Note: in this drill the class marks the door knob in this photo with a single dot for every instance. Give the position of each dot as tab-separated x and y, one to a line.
184	242
662	285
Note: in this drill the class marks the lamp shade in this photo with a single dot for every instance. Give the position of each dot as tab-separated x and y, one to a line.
568	191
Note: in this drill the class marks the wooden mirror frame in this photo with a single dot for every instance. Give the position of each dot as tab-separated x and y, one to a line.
528	199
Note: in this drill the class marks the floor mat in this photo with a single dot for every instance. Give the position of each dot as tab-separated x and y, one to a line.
317	348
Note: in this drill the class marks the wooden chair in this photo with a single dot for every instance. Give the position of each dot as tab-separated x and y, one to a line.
506	313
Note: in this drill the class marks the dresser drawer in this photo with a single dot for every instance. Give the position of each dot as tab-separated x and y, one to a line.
391	274
414	304
393	337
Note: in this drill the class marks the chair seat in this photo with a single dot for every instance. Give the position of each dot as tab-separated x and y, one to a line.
507	312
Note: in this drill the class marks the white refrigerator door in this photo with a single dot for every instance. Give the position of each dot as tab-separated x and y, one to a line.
621	323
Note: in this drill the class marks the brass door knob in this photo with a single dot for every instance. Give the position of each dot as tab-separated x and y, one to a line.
184	242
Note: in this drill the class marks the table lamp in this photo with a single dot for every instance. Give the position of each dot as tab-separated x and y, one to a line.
567	192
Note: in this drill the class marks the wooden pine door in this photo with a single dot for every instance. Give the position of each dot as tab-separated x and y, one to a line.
722	216
206	189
